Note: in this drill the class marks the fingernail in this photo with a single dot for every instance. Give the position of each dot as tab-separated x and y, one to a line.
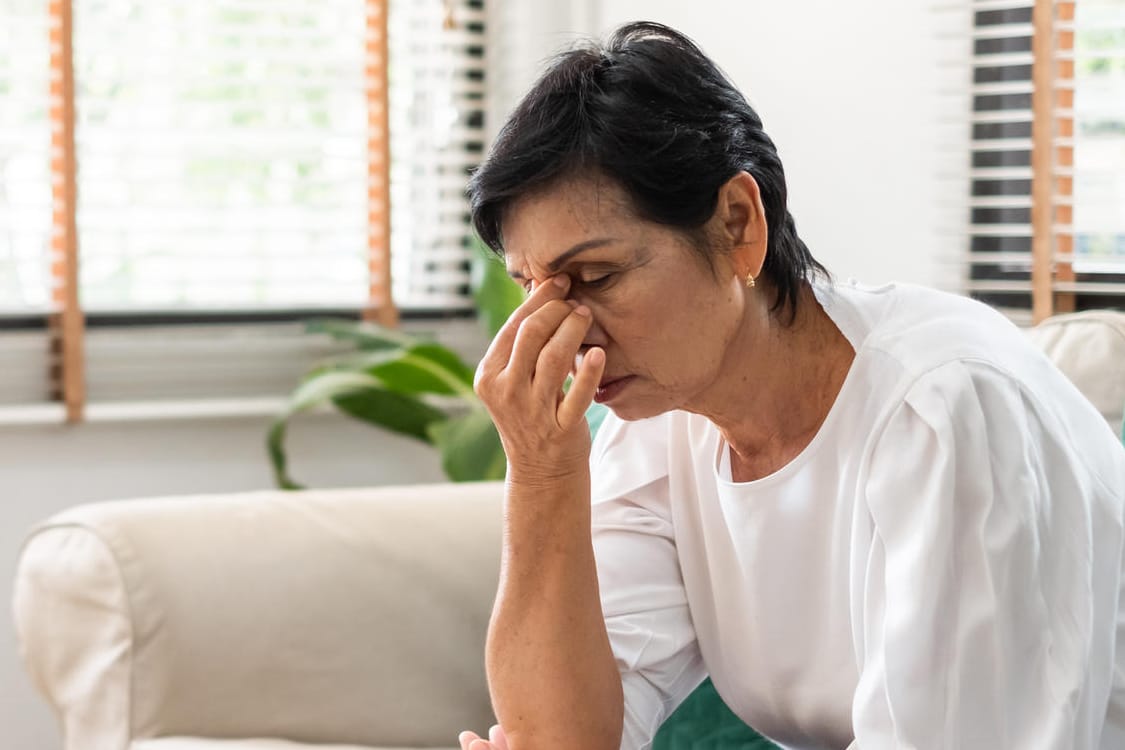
583	311
561	281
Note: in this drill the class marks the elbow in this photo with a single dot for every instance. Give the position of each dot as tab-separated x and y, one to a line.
564	741
595	725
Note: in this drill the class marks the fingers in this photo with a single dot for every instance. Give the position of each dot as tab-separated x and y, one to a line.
497	737
535	332
556	357
472	741
497	740
577	400
500	350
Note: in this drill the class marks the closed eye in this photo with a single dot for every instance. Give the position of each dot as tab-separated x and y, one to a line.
597	281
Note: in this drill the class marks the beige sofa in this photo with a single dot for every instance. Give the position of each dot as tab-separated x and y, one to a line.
352	618
341	618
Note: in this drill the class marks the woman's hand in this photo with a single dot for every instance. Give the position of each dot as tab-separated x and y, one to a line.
472	741
520	381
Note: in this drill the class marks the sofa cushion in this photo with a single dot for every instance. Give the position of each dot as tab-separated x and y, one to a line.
1089	347
206	743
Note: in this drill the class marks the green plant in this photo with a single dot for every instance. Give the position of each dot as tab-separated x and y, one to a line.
409	385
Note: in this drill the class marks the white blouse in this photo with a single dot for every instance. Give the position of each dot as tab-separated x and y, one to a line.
941	567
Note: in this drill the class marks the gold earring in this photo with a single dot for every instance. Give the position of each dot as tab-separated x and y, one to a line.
749	281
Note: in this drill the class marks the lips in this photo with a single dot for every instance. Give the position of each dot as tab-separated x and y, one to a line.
610	387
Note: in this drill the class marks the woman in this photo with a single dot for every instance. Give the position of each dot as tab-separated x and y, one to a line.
877	518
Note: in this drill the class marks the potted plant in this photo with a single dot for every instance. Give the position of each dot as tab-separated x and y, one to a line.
410	385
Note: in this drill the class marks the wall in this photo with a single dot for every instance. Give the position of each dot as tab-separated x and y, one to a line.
850	93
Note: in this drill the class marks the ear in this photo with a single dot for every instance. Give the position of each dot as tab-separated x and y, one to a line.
741	218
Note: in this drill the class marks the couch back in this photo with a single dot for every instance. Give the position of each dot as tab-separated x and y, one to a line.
331	616
1089	347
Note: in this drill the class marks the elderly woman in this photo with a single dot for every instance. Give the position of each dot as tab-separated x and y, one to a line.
876	517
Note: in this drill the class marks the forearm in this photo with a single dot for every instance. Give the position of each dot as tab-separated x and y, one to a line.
551	671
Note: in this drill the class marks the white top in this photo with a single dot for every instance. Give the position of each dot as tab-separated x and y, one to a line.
941	567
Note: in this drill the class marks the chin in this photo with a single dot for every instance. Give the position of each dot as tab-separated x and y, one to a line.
635	411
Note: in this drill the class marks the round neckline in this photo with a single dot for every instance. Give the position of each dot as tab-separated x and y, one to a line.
827	296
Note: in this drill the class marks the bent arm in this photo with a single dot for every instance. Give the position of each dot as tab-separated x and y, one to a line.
552	674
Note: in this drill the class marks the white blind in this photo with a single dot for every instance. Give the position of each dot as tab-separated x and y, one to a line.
221	152
437	136
25	188
1000	154
222	145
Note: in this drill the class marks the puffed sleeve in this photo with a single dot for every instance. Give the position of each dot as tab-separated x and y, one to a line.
642	591
991	589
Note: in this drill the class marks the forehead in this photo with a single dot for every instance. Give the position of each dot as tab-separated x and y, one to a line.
546	223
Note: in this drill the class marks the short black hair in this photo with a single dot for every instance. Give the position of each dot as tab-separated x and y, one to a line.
651	111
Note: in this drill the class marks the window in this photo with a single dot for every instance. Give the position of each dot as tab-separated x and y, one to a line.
1099	154
25	185
230	181
1048	86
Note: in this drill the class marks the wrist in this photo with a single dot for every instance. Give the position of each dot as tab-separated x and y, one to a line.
542	478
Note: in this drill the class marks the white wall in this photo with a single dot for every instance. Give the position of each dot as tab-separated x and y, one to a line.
849	93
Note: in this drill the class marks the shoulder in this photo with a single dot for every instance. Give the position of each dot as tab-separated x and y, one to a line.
922	344
970	433
922	329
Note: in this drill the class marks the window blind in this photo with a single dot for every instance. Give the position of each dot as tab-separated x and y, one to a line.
25	183
222	154
1047	135
437	94
229	154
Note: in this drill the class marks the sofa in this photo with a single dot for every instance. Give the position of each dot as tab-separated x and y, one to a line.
348	619
352	618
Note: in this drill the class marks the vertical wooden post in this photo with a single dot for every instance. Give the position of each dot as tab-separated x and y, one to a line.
1063	185
1042	162
66	324
380	308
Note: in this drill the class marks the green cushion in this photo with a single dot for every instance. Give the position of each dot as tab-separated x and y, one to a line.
595	415
703	722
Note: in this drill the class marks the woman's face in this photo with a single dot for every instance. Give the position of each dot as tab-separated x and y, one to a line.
665	319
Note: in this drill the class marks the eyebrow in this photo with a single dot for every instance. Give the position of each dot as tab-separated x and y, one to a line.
561	260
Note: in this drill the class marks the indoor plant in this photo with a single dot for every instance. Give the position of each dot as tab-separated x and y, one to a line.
410	385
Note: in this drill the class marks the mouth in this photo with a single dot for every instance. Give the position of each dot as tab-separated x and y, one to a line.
611	387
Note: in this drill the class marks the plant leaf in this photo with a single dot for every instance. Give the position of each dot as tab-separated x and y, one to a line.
470	447
425	368
397	412
365	335
310	393
496	294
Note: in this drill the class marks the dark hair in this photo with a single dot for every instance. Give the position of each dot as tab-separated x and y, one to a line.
649	110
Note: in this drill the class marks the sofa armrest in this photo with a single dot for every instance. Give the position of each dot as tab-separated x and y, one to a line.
334	616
